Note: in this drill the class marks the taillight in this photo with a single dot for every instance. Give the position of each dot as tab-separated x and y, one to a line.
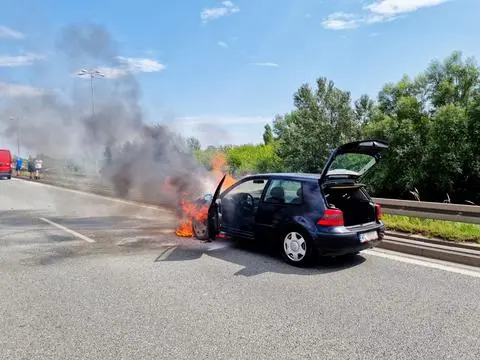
331	217
378	211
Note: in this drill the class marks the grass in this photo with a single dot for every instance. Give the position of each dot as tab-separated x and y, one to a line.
446	230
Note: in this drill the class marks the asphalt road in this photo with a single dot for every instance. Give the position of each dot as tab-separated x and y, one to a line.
85	277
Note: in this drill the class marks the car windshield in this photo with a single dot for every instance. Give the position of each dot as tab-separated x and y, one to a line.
350	163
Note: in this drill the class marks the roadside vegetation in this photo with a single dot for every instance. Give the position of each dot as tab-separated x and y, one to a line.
445	230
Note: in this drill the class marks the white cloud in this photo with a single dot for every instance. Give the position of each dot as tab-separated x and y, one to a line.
266	64
130	66
394	7
214	13
113	73
6	32
17	90
20	60
377	12
141	64
222	44
341	21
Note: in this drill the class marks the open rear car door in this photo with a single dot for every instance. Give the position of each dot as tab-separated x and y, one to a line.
213	214
353	160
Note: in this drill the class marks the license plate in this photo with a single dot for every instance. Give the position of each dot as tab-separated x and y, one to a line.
369	236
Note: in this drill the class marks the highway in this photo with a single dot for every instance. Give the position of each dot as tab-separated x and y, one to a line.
88	277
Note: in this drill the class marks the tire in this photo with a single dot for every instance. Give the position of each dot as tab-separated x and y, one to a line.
297	248
200	229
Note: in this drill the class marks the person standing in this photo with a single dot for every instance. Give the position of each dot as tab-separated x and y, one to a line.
18	166
38	168
31	167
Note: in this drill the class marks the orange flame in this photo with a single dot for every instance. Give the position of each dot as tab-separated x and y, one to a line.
191	210
184	229
219	163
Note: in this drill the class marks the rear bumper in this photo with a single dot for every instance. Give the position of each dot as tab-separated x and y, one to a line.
4	173
343	241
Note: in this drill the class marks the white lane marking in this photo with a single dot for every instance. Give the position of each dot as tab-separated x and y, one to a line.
166	231
84	193
166	253
463	270
74	233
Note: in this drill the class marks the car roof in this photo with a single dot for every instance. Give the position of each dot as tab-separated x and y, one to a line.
287	176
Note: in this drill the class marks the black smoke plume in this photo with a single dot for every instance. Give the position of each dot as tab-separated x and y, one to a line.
114	144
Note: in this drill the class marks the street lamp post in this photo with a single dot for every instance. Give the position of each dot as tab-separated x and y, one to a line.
92	73
18	136
17	129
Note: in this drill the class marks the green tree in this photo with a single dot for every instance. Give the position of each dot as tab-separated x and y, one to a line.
453	81
446	151
193	144
253	158
204	158
234	161
267	135
323	118
430	122
401	119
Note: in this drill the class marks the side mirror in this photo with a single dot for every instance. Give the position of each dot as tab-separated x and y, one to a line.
218	202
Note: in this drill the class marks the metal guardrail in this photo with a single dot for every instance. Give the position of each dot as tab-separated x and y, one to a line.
422	209
431	210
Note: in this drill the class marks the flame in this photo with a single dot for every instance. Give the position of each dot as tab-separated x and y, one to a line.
191	210
219	163
184	229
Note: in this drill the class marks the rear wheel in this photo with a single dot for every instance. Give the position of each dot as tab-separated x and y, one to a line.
200	229
297	248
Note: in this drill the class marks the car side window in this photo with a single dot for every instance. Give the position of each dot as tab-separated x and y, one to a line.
253	187
284	192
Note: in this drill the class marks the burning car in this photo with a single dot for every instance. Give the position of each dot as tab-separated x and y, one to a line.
193	212
302	215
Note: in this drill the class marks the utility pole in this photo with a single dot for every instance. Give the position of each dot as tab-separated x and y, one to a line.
93	96
17	130
92	73
18	136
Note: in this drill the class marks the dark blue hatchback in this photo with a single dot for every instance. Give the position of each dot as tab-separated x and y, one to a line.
305	215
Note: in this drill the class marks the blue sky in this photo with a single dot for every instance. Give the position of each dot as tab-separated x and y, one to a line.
221	70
